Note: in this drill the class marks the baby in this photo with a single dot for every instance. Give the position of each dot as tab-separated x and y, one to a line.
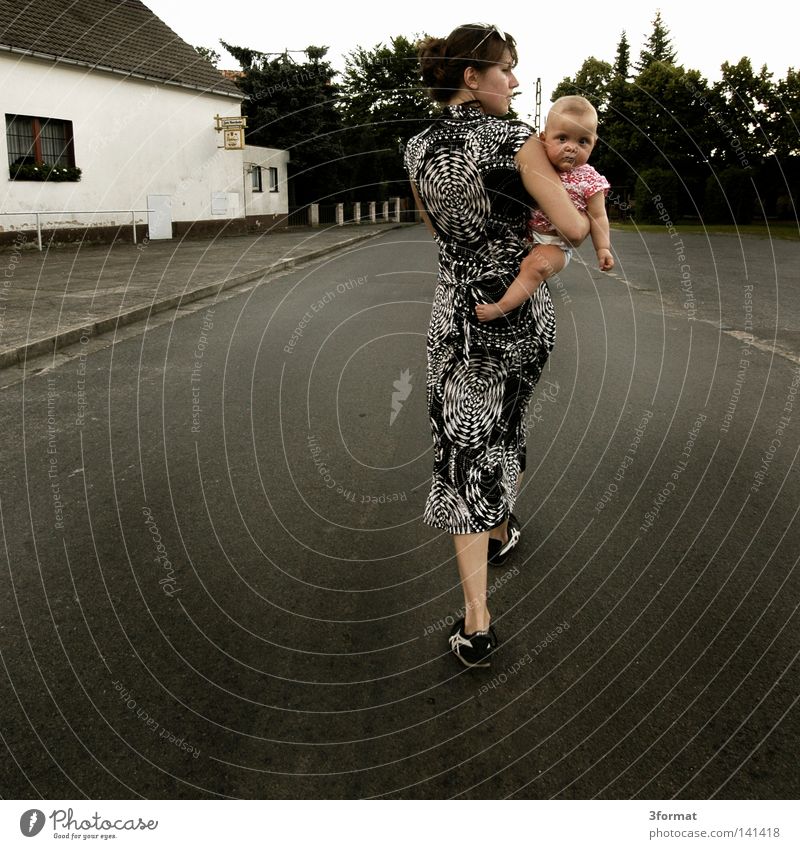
569	136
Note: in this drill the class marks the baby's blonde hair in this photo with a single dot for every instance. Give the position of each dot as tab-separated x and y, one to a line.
574	106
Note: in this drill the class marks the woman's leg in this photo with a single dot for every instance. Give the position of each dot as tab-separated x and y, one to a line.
501	531
473	568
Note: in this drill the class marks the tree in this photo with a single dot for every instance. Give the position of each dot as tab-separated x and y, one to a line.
292	105
671	123
383	103
658	47
779	176
733	147
591	81
209	54
730	197
611	154
670	128
785	115
783	167
622	61
656	195
740	111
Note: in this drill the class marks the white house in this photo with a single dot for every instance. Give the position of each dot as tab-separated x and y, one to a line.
266	192
105	91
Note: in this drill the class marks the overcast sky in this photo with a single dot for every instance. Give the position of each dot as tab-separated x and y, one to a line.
551	45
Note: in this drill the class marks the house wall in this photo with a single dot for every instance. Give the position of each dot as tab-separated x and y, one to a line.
266	209
132	138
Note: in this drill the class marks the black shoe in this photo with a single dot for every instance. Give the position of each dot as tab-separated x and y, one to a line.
499	550
473	650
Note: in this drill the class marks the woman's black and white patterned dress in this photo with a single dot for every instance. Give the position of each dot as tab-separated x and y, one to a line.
480	375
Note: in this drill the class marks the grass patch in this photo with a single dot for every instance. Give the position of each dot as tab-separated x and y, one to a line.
773	230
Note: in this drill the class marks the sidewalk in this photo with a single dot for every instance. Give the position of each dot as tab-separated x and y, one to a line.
50	299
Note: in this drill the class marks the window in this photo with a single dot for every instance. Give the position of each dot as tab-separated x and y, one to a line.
39	141
273	179
255	175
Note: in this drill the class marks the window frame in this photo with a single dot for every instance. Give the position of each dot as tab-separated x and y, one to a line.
256	179
273	179
36	150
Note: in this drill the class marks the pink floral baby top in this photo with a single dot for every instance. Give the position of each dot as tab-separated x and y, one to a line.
581	183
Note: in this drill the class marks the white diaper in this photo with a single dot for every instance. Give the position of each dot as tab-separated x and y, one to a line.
553	239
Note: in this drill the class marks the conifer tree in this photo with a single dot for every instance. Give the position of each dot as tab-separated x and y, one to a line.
658	47
292	105
622	61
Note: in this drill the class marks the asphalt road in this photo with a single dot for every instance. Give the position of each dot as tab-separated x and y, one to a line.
216	581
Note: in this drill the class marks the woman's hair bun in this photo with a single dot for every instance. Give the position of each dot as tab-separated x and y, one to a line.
431	52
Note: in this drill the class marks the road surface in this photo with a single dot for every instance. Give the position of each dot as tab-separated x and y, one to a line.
217	584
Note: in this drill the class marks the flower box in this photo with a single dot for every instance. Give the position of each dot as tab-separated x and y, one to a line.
43	172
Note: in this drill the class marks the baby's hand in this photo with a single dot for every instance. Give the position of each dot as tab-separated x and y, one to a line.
605	260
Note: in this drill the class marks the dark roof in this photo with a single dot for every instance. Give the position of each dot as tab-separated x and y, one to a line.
117	35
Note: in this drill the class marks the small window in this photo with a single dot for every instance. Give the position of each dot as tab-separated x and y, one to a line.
255	175
273	179
39	141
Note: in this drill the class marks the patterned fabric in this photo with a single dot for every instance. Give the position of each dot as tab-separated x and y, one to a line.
581	183
480	375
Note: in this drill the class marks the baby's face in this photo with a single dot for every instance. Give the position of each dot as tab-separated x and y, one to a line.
569	141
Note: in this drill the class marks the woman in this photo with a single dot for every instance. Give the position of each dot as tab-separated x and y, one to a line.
473	175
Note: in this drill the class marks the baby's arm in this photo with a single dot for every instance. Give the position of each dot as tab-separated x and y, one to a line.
600	230
542	262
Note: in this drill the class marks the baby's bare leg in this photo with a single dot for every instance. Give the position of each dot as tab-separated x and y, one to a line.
542	262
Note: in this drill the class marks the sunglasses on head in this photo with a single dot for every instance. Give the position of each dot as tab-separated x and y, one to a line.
493	30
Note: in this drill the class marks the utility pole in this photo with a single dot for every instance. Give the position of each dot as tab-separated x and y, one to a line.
537	115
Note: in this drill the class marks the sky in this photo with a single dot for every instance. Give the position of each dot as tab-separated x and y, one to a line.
552	45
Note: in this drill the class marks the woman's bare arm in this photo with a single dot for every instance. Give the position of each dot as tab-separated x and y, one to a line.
421	209
542	183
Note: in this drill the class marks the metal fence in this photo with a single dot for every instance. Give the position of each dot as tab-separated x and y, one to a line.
298	216
38	220
327	213
332	214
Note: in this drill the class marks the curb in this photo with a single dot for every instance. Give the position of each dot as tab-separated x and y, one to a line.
50	344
